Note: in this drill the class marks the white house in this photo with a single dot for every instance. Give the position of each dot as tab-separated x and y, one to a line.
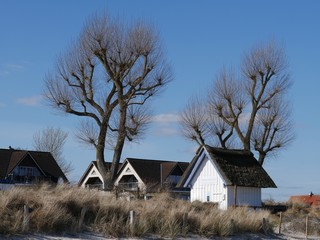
226	177
134	174
149	175
92	177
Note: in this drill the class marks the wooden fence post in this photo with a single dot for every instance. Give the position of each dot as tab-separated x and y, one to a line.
116	192
232	227
264	226
235	196
307	220
280	222
132	216
184	220
83	213
26	218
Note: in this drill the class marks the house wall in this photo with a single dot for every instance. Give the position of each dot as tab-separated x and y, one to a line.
27	167
208	185
4	186
22	171
246	196
128	170
93	173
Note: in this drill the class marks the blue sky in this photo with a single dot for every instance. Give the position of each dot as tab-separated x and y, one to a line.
199	37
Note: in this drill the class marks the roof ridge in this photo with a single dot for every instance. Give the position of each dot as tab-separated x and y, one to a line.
229	151
155	160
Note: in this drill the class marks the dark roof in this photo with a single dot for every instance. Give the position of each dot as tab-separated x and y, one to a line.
4	162
106	164
149	170
237	167
10	158
48	164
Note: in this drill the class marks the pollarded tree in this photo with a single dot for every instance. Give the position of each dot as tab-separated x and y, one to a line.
107	76
194	120
251	109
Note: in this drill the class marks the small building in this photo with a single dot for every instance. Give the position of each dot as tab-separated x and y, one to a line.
28	167
311	200
226	177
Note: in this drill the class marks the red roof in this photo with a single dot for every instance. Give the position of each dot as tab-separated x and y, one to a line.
312	200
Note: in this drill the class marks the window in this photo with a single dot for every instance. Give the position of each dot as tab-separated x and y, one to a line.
26	171
173	179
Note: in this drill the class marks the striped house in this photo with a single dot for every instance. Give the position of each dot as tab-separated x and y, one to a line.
226	177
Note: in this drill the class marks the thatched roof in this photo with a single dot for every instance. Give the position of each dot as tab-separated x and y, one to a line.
237	167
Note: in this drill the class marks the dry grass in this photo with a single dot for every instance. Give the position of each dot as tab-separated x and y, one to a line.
294	219
58	209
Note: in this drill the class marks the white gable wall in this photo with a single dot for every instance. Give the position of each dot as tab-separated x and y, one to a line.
246	196
92	173
207	184
129	170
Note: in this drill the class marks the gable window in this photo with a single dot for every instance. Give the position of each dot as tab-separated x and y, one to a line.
174	179
26	171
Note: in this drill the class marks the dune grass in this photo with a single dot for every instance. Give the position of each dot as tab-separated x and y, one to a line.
298	219
59	209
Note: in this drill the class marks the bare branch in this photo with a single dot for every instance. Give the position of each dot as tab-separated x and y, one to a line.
194	121
250	107
110	72
227	100
273	129
53	140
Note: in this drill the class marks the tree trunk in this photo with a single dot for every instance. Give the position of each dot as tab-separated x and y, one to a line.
262	156
107	182
120	142
101	167
247	139
116	159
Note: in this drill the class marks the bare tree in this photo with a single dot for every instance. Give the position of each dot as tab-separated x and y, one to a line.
107	76
273	129
194	121
53	140
251	107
